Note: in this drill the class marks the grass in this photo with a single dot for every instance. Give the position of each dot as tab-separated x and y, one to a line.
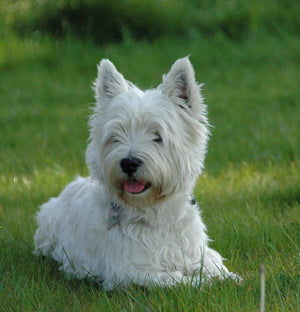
107	21
249	192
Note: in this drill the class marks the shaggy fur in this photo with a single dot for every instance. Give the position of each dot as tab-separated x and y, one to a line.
134	219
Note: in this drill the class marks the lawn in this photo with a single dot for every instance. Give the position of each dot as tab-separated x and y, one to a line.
249	192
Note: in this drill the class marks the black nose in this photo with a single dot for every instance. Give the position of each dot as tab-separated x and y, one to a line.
130	165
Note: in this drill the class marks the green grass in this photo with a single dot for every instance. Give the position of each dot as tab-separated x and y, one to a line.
108	21
249	192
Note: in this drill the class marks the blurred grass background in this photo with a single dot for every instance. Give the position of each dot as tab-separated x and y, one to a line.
106	21
246	53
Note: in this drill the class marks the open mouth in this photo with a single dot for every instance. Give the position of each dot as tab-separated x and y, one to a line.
135	187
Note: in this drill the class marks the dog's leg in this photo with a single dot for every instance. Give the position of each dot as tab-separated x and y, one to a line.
162	279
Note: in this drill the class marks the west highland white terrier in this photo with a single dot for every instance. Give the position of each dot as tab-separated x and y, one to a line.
134	220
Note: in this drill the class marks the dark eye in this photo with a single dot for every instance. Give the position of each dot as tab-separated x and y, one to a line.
113	139
157	138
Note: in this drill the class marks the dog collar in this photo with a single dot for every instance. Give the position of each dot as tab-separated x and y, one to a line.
193	200
116	212
114	217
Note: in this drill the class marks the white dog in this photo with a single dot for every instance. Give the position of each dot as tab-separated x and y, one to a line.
134	219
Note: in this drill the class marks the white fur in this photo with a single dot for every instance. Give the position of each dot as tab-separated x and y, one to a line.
96	228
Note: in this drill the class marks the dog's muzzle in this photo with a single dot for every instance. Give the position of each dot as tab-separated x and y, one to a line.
130	165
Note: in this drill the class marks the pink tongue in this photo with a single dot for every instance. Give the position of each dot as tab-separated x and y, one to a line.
134	186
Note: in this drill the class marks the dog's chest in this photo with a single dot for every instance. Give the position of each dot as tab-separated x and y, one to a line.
166	248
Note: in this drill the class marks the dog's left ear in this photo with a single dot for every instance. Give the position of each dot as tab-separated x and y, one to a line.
180	84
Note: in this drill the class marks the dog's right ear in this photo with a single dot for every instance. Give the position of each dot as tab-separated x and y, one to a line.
109	82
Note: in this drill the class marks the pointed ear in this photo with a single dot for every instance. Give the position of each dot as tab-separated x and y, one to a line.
180	85
109	82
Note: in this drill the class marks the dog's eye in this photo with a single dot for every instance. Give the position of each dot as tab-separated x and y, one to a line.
158	138
113	139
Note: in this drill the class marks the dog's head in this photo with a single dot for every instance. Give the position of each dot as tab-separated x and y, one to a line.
146	146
